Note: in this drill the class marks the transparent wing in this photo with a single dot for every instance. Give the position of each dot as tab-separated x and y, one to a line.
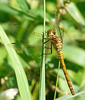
31	42
24	30
32	46
60	30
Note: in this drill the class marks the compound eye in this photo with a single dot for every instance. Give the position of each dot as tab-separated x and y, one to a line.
54	31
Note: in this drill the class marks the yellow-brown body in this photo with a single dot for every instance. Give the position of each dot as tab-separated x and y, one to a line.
57	44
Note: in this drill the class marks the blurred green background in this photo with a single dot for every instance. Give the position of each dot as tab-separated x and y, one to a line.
23	22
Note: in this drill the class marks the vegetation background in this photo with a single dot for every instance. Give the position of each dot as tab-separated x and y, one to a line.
23	23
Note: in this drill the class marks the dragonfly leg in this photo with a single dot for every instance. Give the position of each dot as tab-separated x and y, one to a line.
44	38
50	52
51	48
47	54
48	48
46	41
44	33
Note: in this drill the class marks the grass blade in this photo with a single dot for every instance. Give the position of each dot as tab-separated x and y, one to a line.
19	71
70	96
75	13
20	4
72	53
13	11
42	74
57	80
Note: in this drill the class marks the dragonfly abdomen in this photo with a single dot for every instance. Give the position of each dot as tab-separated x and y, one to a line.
60	55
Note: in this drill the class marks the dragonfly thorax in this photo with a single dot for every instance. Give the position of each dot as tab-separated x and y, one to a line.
51	33
55	40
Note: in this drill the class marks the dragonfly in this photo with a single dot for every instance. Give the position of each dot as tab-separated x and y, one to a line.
57	44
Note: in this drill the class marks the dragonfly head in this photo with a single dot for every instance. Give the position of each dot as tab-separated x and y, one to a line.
51	33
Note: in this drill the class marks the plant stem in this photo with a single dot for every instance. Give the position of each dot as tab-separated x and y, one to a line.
42	70
57	80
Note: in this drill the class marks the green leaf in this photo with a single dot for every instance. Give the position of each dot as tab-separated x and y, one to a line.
20	4
39	12
13	11
76	77
16	65
67	97
77	0
74	54
75	13
42	70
